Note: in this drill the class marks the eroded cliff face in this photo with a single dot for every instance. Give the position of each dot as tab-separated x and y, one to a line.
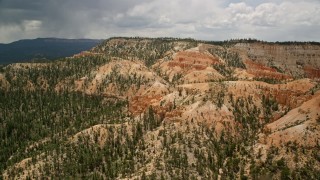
295	60
171	108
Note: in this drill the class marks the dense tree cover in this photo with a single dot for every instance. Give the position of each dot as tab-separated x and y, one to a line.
146	49
53	72
232	59
268	80
253	40
27	117
29	113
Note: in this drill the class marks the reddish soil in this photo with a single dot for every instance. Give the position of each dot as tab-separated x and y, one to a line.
286	96
139	104
257	66
191	59
262	71
311	72
174	113
298	125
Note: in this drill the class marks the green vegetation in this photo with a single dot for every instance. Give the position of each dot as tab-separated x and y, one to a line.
232	59
28	117
270	105
268	80
224	70
146	49
253	40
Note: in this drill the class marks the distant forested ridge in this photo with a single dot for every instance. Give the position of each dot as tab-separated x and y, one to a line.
43	49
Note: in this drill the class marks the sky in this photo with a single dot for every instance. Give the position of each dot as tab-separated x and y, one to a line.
269	20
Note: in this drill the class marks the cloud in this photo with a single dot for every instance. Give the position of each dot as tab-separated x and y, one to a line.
270	21
202	19
271	14
31	25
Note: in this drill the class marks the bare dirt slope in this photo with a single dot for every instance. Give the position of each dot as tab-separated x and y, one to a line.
300	125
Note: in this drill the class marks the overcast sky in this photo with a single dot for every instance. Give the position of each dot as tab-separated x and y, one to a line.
271	20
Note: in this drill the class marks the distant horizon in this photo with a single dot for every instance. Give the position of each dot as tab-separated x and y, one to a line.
58	38
268	20
142	37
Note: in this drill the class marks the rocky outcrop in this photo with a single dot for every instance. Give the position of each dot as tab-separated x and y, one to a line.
291	59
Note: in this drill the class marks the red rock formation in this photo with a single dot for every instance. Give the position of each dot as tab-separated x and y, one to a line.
311	72
261	71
